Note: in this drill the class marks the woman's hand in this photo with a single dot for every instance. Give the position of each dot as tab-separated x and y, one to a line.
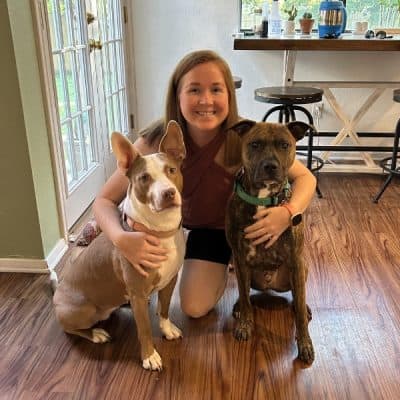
141	250
270	224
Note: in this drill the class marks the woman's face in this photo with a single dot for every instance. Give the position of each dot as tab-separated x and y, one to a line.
204	99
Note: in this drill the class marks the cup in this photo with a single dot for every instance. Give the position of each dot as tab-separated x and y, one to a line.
364	26
358	28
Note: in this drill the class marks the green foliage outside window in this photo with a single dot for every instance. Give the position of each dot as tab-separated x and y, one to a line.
378	13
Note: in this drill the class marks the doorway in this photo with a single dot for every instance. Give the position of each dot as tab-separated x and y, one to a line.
87	55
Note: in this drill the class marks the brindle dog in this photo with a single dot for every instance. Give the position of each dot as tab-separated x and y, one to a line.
268	151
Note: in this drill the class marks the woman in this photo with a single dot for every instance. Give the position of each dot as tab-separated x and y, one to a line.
201	97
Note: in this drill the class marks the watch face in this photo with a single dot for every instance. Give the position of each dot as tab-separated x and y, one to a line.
296	219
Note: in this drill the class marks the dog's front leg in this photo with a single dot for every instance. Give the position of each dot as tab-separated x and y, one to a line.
140	310
244	311
169	330
304	343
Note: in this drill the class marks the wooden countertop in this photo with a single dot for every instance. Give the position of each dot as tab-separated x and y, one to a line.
314	43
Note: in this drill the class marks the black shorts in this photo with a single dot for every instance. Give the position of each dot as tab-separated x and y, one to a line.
209	245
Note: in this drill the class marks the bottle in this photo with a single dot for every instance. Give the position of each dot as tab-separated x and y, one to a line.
264	23
275	20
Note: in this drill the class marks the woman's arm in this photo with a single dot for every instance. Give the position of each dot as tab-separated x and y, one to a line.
273	221
141	250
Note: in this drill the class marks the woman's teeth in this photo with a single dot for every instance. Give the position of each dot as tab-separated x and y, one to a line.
206	113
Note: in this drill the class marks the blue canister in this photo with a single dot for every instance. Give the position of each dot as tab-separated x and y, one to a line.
332	19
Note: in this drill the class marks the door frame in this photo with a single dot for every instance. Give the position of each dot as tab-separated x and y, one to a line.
42	36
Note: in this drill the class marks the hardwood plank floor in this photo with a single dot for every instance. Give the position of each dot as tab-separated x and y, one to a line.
353	252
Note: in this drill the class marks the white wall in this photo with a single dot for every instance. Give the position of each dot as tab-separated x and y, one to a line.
164	31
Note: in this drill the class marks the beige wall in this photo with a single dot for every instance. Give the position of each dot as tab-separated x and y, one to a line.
29	226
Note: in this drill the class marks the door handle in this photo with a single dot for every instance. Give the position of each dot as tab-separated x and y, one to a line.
95	45
89	17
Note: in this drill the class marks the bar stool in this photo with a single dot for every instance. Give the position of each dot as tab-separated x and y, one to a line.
289	100
237	82
391	167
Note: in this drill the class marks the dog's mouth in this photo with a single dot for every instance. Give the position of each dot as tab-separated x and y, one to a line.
160	209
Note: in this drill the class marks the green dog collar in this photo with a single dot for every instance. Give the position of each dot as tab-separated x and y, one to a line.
263	201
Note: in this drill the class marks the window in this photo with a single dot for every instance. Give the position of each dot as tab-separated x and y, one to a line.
378	13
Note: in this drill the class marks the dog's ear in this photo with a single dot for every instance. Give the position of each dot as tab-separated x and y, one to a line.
172	142
124	151
298	129
243	126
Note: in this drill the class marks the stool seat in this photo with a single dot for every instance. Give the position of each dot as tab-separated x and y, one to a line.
396	95
237	82
288	95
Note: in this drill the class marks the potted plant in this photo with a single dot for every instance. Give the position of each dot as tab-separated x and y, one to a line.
289	23
306	23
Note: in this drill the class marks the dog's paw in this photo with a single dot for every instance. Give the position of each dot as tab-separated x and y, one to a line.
153	362
243	330
100	336
306	351
169	330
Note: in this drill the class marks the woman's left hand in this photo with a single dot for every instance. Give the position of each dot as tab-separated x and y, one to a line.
270	224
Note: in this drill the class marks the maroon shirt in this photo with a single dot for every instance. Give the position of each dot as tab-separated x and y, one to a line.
206	185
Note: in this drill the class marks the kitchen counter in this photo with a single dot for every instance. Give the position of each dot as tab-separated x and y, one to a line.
347	42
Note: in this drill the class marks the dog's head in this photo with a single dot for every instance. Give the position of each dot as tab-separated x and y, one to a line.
268	150
154	193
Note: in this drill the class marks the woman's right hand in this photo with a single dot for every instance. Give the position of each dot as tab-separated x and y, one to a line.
141	250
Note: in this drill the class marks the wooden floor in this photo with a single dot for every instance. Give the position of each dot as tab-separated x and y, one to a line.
353	250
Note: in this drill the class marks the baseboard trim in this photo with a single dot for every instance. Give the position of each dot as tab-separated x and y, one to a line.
56	254
33	265
27	265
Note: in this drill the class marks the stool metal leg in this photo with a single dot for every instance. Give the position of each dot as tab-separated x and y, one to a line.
271	111
392	170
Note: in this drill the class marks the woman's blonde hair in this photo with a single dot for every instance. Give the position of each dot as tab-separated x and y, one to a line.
173	111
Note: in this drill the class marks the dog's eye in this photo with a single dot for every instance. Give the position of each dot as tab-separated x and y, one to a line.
145	177
171	170
284	145
255	145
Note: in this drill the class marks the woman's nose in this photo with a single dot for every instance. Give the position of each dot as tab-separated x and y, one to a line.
205	98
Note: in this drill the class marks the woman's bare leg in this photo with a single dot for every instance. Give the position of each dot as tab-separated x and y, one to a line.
202	284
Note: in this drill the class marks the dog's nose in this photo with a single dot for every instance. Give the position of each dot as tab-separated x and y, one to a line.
169	194
269	166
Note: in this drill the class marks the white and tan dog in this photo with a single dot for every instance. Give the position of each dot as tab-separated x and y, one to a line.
100	279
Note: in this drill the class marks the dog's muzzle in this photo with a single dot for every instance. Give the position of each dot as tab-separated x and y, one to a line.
267	171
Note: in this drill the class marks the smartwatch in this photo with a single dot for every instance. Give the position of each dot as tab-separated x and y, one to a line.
295	217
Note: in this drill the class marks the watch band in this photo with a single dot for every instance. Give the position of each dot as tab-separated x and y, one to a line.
295	217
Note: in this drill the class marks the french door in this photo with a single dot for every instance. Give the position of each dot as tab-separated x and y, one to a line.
91	101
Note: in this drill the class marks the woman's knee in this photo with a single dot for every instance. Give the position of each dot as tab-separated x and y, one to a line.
195	309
